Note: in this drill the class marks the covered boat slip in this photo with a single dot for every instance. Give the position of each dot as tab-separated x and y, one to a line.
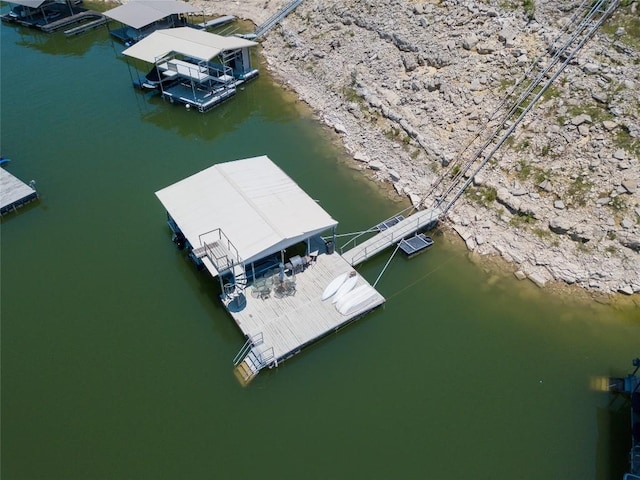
42	14
256	212
194	67
139	18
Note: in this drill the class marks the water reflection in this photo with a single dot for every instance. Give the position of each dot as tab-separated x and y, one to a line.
57	43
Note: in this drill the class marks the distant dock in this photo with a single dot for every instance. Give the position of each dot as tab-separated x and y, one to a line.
14	193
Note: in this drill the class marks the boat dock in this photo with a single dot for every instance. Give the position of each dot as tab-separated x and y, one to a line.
14	193
90	19
252	227
280	323
392	235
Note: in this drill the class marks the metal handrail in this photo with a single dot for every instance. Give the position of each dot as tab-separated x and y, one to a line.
577	26
275	18
251	342
371	229
421	222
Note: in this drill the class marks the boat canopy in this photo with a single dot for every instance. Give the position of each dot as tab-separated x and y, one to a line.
186	41
29	3
140	13
257	206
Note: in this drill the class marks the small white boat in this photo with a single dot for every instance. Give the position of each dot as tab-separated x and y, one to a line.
356	300
346	287
335	284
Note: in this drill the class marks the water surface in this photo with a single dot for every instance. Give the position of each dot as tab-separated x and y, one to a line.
116	355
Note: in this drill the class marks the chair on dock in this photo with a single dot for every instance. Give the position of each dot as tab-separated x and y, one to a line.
261	288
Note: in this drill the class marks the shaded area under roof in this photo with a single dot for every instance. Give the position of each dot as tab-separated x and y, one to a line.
259	207
140	13
186	41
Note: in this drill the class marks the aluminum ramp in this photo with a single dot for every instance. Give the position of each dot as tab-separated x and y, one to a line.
391	236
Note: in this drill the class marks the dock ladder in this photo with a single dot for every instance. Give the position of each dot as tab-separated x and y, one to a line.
250	359
276	18
589	16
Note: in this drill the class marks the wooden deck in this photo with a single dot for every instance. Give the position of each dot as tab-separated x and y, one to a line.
391	236
287	323
13	192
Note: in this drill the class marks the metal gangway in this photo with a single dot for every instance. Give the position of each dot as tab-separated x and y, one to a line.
522	97
276	18
493	133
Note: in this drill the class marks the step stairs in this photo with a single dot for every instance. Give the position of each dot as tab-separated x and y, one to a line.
247	369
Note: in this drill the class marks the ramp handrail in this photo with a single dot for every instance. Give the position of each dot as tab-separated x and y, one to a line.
581	24
274	19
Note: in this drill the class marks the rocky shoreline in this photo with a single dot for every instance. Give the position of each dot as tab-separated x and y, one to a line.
406	83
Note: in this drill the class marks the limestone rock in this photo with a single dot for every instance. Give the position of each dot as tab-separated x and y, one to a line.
376	165
559	225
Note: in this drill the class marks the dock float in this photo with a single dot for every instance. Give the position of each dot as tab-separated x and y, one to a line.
14	193
251	226
412	246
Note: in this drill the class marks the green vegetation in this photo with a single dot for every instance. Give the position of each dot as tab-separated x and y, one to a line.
552	91
392	133
350	94
545	150
627	142
596	112
541	232
524	145
523	169
528	5
521	219
578	191
482	195
631	24
617	203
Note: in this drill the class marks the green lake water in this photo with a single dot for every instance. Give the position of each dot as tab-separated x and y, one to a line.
116	354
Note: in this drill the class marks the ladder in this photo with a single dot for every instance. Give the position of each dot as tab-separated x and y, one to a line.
589	16
250	359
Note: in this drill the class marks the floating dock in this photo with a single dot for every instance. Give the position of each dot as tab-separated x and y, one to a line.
195	68
412	246
259	233
45	15
14	193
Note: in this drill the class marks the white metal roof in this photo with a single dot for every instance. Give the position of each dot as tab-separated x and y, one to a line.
187	41
28	3
140	13
257	206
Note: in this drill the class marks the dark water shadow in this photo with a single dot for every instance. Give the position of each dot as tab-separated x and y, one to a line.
614	438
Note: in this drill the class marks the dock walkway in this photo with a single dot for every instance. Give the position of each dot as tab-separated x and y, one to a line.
287	322
13	192
96	19
391	236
